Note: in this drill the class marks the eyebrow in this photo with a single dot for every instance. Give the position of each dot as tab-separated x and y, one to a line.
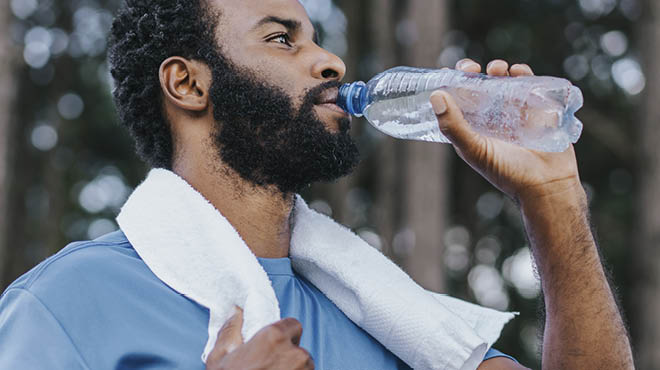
292	25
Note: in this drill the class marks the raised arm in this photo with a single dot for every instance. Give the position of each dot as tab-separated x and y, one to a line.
583	328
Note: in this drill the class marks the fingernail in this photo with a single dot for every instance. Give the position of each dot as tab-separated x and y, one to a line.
438	103
493	62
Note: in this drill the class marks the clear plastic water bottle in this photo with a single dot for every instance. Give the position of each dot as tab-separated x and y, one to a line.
534	112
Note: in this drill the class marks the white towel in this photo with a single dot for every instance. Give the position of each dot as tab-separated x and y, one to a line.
192	248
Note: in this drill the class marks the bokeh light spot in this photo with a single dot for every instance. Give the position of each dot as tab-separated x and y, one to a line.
614	43
628	75
488	287
487	250
44	137
403	242
457	258
597	8
519	271
371	237
70	106
457	235
23	8
490	205
36	54
576	66
105	191
322	207
100	227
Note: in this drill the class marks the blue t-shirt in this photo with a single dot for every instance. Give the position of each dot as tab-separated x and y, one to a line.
332	339
96	305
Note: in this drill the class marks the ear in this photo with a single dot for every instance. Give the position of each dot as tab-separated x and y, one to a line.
185	83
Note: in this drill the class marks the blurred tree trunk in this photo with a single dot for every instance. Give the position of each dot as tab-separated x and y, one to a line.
8	91
425	185
409	178
646	269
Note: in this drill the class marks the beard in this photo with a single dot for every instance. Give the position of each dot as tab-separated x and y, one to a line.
261	136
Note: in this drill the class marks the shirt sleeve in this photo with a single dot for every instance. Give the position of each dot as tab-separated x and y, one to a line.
492	353
31	337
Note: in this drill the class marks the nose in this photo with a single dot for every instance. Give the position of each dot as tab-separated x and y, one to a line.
328	66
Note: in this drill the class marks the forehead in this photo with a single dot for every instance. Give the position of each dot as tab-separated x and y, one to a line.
245	14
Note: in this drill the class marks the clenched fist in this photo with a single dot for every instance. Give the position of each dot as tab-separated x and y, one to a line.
274	347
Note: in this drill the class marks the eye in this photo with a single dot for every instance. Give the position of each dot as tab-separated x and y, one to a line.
282	38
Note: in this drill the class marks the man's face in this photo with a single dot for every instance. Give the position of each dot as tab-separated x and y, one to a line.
276	40
273	93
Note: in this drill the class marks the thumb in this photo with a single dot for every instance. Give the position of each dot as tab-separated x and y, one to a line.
229	336
452	123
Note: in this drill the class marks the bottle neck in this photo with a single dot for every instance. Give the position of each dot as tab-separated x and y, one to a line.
353	98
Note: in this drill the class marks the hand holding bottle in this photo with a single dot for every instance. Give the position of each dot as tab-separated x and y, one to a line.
581	311
519	172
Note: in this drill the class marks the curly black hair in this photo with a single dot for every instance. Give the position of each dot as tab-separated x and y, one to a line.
144	34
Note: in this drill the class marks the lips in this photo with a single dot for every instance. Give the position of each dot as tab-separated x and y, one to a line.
328	97
328	100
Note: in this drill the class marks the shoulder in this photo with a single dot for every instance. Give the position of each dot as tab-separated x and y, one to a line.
82	267
501	363
496	360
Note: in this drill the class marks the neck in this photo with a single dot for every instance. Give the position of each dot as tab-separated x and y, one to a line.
260	215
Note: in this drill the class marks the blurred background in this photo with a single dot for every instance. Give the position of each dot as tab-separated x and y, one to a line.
66	167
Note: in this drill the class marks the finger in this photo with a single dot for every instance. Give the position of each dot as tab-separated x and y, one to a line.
452	123
291	328
229	336
468	65
302	359
310	362
518	70
498	67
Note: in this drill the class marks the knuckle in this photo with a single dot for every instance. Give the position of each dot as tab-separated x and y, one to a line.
215	357
228	326
293	323
302	358
274	334
303	353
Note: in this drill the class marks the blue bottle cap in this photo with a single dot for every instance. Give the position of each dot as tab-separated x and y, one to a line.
353	98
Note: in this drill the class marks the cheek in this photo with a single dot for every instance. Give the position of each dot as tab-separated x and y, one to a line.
281	74
275	71
284	78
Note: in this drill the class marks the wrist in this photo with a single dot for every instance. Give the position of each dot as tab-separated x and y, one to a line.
561	195
558	227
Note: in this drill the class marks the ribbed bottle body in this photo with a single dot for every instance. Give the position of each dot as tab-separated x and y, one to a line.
535	112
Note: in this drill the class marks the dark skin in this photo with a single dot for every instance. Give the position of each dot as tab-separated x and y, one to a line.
583	329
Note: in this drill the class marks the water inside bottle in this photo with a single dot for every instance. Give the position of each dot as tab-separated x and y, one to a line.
542	120
408	117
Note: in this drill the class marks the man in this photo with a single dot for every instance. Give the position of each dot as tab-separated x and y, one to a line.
235	101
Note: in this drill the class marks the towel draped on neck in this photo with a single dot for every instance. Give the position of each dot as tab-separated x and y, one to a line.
192	248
